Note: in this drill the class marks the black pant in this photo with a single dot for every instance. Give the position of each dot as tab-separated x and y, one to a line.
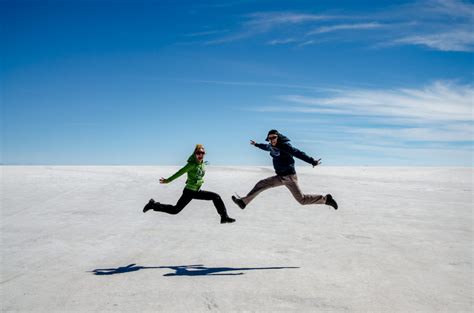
187	196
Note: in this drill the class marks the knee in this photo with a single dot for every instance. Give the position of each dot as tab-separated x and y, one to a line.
176	210
300	200
261	184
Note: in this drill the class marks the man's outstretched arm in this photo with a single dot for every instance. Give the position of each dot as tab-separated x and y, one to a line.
262	146
299	154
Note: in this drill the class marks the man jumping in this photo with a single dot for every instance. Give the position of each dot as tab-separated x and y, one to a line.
282	153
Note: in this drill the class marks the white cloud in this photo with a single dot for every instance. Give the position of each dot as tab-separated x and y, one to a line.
281	41
444	25
206	33
378	150
438	134
308	43
450	8
339	27
461	40
267	20
440	101
255	84
437	116
298	110
264	22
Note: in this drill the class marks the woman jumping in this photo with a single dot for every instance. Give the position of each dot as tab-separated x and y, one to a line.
195	170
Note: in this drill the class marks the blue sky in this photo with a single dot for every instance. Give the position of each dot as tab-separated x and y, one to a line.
140	82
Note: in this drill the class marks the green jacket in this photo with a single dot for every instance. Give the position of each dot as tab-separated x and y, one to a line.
195	172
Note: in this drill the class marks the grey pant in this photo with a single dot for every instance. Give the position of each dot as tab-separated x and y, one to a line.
290	182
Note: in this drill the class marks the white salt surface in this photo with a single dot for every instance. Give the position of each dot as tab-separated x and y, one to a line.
401	242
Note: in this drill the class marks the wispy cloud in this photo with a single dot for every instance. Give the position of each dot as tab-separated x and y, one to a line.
439	134
461	40
265	22
439	101
256	84
341	27
436	118
268	20
444	25
206	33
354	148
282	41
450	8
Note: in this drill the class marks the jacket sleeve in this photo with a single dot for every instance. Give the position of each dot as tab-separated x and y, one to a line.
297	153
183	170
263	146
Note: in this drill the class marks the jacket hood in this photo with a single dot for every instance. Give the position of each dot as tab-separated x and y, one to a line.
281	138
192	159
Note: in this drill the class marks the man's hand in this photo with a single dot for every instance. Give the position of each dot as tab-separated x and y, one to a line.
252	142
316	162
163	180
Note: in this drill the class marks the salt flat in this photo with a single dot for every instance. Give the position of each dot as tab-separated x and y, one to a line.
74	239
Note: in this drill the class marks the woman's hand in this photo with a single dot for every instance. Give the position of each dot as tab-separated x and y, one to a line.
163	180
252	142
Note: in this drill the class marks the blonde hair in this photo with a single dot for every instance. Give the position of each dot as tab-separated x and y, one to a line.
198	146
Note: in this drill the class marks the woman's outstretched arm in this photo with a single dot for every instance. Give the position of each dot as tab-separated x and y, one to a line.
183	170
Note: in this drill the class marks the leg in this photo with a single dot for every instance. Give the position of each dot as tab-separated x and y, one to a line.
186	197
216	199
218	203
262	185
291	182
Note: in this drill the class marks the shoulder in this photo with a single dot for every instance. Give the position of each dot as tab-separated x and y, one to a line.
285	146
190	165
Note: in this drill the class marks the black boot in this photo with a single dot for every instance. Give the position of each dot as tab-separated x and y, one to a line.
330	201
226	219
149	205
239	202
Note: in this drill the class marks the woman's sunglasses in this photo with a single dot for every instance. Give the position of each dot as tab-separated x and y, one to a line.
272	137
200	152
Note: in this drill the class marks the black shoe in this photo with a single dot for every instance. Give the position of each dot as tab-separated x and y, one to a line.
239	202
149	205
330	201
227	219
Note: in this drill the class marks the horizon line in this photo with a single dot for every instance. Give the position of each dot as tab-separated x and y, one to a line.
234	165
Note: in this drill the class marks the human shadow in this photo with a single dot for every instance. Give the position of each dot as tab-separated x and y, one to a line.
200	270
187	270
120	270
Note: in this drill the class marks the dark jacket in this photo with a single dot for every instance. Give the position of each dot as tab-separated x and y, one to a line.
283	154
